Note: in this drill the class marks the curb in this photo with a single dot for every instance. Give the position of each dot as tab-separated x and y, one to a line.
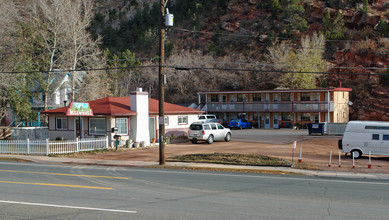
182	165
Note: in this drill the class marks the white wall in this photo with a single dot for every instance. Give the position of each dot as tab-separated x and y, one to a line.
140	124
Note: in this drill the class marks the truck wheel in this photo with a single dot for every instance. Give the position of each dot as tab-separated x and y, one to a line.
228	137
210	139
357	154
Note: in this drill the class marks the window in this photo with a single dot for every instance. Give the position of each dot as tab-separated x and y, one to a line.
213	126
220	127
206	127
375	137
256	97
97	126
214	98
285	96
305	96
182	120
61	124
166	121
377	127
385	137
122	125
286	117
240	97
305	116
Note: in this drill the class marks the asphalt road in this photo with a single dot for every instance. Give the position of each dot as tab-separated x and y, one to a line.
37	191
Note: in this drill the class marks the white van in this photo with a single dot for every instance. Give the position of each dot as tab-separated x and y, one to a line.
360	137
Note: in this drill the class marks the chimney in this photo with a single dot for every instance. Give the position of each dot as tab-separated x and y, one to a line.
140	123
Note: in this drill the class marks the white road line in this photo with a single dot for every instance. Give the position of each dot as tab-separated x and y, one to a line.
65	206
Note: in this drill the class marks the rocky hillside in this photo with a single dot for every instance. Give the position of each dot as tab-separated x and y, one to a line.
247	27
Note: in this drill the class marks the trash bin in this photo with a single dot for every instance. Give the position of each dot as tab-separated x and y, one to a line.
317	128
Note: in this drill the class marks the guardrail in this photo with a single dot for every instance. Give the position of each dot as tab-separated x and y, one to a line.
47	146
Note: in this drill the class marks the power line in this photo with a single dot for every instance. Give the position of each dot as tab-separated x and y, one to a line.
200	68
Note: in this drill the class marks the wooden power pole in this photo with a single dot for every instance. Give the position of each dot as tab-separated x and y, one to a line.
161	83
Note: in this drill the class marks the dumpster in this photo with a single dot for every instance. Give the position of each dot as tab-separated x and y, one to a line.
317	128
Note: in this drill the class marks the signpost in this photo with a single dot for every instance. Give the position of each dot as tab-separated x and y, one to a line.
293	150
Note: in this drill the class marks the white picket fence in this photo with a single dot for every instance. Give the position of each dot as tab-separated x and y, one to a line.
47	146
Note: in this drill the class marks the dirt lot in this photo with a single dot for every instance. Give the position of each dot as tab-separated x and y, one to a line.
315	152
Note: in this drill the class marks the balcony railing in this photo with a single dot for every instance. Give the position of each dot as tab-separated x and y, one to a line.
297	106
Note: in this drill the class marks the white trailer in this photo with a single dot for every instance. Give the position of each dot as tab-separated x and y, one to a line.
362	137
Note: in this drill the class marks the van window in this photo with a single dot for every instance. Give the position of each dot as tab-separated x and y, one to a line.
377	127
201	117
206	127
385	137
375	137
211	117
213	126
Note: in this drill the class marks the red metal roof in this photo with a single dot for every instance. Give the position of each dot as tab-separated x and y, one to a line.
120	106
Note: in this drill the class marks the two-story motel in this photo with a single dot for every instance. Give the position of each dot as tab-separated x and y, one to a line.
280	107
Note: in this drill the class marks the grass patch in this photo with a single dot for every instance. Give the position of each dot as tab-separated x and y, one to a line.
225	170
235	159
85	153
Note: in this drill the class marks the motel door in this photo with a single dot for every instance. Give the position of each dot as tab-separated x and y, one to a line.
275	121
267	120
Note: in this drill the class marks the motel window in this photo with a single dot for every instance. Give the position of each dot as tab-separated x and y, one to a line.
97	126
286	117
182	120
214	98
61	124
385	137
122	125
285	96
375	137
240	97
256	97
305	96
305	116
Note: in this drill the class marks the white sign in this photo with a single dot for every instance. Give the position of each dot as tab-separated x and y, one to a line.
294	145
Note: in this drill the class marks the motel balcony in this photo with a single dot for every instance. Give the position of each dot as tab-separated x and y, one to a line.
279	106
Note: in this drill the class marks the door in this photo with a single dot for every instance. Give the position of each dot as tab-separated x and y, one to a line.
267	121
375	144
275	121
152	130
78	128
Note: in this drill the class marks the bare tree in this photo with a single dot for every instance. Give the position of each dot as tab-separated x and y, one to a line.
79	47
47	18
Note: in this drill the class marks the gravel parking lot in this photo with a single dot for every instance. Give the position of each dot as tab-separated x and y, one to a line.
277	143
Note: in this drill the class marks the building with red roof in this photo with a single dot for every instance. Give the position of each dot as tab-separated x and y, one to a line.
134	118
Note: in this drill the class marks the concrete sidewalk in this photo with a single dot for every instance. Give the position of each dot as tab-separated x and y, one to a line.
127	163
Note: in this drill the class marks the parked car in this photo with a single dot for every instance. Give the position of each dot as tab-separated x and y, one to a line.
223	122
208	131
239	123
207	117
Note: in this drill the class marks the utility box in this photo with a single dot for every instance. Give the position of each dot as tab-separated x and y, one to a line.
169	20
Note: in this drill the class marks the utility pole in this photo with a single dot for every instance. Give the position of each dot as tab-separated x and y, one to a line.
161	79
